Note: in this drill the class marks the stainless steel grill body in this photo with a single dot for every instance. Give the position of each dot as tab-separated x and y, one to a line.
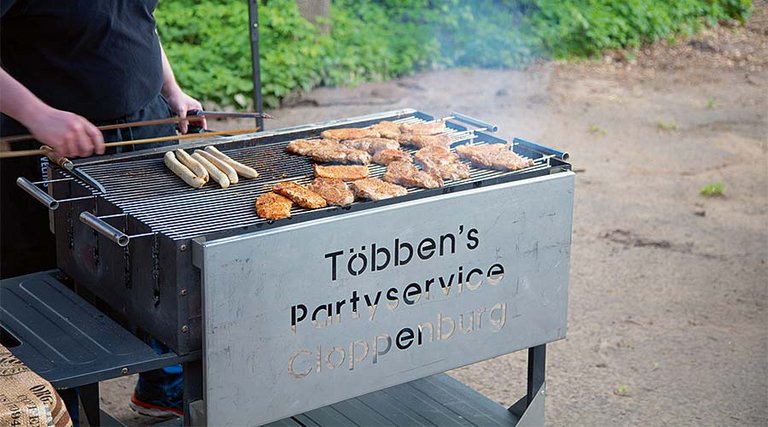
151	284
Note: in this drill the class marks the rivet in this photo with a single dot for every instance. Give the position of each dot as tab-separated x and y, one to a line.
185	329
183	292
183	247
124	371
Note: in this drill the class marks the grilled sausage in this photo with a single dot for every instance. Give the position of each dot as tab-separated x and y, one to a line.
241	169
215	173
222	165
191	163
183	172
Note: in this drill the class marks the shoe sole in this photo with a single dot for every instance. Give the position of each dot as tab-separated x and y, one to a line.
150	410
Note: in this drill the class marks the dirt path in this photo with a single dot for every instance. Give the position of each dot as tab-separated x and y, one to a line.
668	292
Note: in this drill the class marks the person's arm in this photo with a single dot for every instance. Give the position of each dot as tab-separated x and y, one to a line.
179	101
68	134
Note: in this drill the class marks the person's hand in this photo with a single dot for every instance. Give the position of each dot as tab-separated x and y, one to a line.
67	133
180	103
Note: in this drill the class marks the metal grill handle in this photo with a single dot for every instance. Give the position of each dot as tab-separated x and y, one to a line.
474	122
38	194
104	228
563	155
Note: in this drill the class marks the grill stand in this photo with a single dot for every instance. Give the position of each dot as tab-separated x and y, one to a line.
180	291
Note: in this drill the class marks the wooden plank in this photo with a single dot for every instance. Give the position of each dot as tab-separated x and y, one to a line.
360	413
394	410
465	401
424	405
328	416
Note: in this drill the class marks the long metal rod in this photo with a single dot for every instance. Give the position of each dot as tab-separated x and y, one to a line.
142	123
27	153
104	228
253	31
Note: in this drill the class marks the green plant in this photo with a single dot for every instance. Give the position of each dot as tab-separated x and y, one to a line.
596	130
621	390
711	103
713	189
666	125
208	41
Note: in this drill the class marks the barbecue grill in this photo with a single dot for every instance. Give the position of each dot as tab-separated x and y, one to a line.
191	266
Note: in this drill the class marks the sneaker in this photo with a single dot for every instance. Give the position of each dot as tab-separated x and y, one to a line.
155	408
159	393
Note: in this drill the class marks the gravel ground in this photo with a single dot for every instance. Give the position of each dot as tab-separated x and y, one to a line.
667	314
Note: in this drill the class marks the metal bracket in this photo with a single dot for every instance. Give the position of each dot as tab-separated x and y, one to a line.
106	229
474	122
41	196
562	155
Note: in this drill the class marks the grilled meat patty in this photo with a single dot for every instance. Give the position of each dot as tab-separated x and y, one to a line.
345	173
349	133
376	189
421	141
387	129
334	191
273	206
440	161
385	157
300	195
341	154
405	173
305	147
493	156
327	150
372	145
424	128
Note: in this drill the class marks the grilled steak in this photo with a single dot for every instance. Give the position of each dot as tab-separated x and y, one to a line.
407	174
327	150
300	195
440	161
345	173
349	133
387	129
273	206
493	156
385	157
424	128
421	141
334	191
372	145
341	154
305	147
376	189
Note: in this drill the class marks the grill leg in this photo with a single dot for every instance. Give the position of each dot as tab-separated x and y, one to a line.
193	391
89	397
536	362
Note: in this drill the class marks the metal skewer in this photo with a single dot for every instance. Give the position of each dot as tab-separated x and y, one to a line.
192	116
26	153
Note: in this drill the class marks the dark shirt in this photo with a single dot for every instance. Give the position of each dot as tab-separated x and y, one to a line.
96	58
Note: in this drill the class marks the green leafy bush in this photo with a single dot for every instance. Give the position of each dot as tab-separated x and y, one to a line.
208	41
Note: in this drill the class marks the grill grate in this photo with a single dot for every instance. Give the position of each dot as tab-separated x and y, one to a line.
147	191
